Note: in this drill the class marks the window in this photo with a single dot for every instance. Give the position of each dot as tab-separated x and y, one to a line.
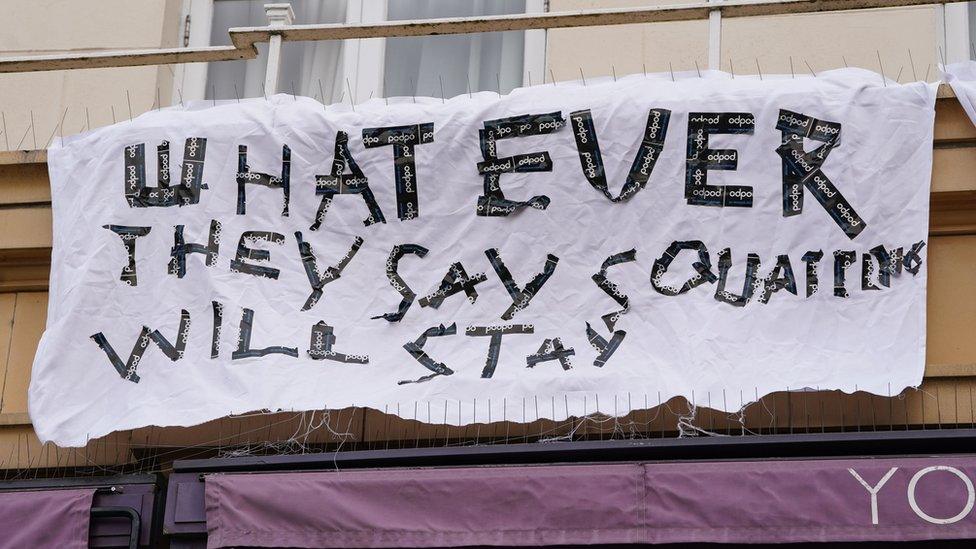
375	67
305	66
423	66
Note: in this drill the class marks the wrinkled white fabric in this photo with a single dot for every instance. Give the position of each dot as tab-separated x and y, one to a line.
690	344
962	77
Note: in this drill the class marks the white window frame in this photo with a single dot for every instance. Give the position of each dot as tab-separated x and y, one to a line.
952	32
196	19
363	59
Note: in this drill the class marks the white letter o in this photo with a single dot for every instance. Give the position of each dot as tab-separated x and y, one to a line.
970	500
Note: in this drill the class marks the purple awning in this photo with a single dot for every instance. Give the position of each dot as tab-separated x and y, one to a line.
428	507
49	518
756	502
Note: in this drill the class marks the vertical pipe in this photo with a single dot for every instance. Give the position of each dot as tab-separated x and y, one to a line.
279	15
715	38
190	80
956	28
534	56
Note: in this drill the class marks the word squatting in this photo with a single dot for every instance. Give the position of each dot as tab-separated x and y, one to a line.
877	268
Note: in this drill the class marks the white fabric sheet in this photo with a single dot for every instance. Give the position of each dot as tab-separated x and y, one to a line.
689	344
962	77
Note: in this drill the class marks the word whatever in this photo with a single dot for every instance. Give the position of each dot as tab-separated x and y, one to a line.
801	169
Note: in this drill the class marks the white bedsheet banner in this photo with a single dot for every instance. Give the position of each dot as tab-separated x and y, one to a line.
962	77
562	250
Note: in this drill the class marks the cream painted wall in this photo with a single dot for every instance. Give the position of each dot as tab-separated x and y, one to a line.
822	40
45	27
626	49
53	26
826	40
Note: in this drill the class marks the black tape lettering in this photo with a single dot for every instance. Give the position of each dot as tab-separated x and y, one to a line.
127	370
521	297
781	278
889	262
416	350
591	159
392	265
246	177
455	281
403	139
803	169
701	159
703	268
174	352
320	346
187	192
239	263
493	202
495	344
244	349
129	235
913	261
177	262
611	288
602	346
842	260
338	183
812	259
218	326
749	286
317	279
551	349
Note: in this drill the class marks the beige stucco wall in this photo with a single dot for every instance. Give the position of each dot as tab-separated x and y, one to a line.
822	40
46	27
39	27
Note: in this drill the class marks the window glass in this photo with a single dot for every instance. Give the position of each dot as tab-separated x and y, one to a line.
307	68
488	61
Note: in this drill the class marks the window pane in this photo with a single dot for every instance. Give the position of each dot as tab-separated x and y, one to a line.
488	61
306	67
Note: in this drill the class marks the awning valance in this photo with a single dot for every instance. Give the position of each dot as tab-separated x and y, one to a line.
46	518
735	502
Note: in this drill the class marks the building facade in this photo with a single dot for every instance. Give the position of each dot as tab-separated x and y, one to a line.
906	44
